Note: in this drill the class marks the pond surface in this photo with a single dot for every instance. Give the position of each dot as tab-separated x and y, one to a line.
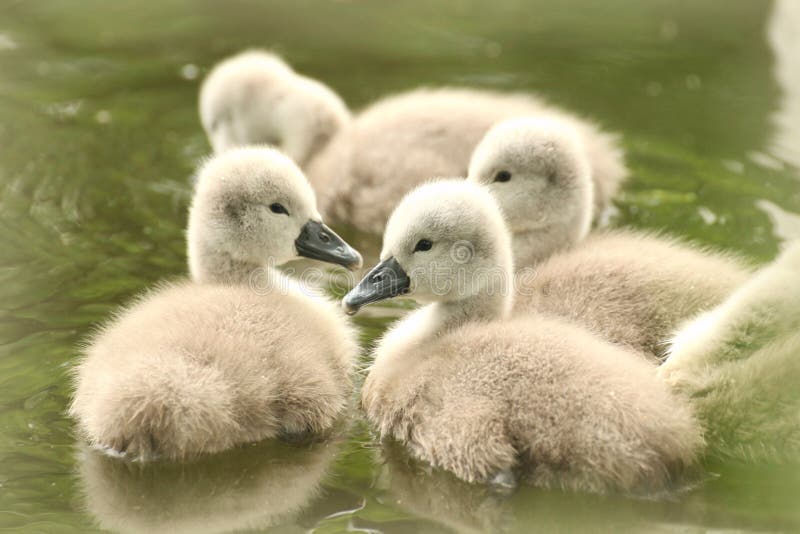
98	139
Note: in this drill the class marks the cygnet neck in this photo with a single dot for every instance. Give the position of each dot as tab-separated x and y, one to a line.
216	267
438	319
534	246
477	308
491	300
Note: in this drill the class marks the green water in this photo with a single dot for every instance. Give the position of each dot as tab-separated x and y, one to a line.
98	138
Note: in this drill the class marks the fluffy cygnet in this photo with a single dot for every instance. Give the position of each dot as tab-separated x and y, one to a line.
630	288
739	364
361	167
237	354
256	98
480	395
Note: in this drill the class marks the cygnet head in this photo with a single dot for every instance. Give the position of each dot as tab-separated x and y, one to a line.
538	171
445	242
253	206
256	98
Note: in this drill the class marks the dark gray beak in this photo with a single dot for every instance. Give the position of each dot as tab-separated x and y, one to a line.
385	280
319	242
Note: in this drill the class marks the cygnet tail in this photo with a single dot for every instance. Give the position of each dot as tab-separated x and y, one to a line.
740	366
169	406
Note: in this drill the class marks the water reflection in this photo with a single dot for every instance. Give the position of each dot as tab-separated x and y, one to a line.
760	493
256	486
461	507
439	496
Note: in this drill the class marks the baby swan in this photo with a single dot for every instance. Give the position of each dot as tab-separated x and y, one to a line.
631	288
255	97
484	397
237	354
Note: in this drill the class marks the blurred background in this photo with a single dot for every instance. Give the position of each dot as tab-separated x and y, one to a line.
99	136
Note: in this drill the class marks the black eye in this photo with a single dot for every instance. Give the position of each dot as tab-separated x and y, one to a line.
278	208
502	176
423	245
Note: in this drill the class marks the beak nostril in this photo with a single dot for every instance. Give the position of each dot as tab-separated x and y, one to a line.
324	237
